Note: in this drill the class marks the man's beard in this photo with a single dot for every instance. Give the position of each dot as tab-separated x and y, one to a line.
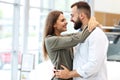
77	24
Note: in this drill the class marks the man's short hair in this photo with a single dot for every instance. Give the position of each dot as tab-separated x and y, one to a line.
83	6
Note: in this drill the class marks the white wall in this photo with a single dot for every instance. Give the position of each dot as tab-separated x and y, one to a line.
111	6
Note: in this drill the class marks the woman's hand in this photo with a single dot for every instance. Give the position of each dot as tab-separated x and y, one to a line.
93	24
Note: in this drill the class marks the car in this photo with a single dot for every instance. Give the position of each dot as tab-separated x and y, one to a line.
6	52
6	57
113	54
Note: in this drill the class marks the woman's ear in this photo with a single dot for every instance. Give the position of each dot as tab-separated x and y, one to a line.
54	26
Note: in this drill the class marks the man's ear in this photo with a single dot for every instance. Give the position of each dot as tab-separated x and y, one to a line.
81	16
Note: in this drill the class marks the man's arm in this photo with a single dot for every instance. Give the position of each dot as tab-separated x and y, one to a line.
65	73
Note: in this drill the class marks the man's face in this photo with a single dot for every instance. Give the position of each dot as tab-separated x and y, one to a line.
77	24
75	18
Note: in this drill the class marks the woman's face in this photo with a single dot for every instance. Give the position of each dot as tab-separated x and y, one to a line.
61	23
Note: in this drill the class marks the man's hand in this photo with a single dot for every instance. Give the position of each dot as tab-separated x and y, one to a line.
64	74
93	24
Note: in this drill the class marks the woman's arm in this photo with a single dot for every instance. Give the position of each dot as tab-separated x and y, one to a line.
62	42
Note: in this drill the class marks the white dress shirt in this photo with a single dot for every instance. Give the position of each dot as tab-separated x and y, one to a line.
91	56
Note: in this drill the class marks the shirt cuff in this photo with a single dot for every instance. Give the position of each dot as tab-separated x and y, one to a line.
80	72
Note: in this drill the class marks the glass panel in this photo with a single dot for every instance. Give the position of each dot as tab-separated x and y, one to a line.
45	4
8	1
22	2
61	3
21	27
6	27
35	3
65	5
6	23
34	38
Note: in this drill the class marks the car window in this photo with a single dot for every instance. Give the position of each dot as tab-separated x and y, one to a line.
114	47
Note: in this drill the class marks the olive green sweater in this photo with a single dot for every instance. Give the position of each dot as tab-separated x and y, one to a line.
60	50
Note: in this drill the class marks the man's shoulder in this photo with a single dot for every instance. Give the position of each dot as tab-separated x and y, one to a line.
98	30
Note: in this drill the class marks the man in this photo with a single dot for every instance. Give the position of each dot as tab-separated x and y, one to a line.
90	56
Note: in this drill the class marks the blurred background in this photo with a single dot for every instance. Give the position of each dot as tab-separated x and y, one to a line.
21	31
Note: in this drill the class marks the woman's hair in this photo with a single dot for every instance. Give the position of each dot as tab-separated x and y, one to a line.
49	28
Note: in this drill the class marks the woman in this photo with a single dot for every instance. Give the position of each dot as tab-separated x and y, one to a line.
59	48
